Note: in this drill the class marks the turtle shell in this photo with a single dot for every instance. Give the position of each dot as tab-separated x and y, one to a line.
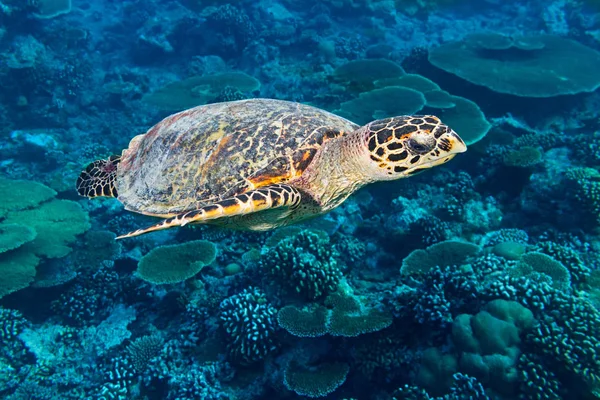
211	152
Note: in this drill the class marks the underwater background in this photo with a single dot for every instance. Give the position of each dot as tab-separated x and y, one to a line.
479	279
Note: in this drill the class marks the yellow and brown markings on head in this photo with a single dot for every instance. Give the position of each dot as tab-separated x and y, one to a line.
408	144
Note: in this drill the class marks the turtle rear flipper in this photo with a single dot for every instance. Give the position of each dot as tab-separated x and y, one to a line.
281	199
99	178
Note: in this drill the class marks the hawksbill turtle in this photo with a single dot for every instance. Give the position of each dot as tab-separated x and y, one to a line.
261	163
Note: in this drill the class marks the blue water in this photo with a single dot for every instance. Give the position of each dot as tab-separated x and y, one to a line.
475	279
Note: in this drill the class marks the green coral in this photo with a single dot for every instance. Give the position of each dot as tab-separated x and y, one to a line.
385	90
360	75
351	324
466	119
528	66
315	381
567	257
309	321
346	316
382	103
442	254
17	270
535	263
436	371
176	263
47	9
199	90
411	81
18	195
13	236
488	343
57	224
34	227
509	250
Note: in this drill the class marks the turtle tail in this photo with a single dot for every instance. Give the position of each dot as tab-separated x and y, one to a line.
99	178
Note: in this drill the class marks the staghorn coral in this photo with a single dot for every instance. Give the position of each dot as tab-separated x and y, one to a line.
438	296
585	185
91	298
384	356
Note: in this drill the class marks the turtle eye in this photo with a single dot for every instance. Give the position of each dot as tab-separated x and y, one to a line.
420	144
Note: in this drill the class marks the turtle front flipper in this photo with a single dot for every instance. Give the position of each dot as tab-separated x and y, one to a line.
272	197
99	178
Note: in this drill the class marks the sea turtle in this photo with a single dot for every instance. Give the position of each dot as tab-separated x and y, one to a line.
259	164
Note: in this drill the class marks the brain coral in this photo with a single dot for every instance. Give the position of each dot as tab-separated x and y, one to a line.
527	66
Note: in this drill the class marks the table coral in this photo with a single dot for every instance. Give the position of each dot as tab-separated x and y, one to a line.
176	263
532	66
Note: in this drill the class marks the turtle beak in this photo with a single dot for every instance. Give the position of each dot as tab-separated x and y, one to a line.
457	145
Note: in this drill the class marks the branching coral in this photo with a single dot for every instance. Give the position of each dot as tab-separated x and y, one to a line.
143	349
568	257
306	263
565	343
250	325
464	387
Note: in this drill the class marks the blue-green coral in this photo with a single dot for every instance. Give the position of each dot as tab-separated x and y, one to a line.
250	324
305	263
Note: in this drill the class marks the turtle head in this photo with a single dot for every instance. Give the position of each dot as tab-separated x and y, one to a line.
403	146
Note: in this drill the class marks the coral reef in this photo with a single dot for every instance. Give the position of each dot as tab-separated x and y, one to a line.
478	279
